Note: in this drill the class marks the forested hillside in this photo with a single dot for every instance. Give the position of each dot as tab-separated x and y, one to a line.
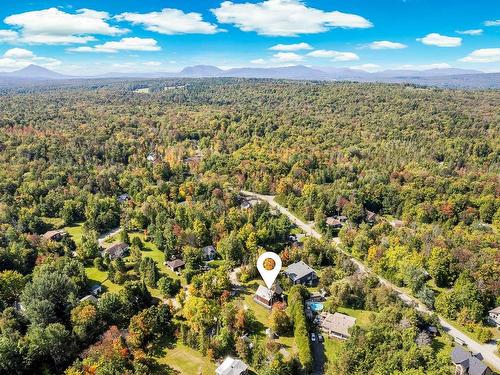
181	151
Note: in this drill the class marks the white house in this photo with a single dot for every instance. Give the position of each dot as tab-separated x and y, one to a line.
494	316
232	366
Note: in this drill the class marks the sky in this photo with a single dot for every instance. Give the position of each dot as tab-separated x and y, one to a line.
93	37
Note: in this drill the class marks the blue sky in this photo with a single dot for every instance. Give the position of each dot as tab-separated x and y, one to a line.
99	36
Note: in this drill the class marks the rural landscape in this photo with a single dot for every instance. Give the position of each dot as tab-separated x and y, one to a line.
135	204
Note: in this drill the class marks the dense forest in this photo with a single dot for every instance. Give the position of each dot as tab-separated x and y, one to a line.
181	151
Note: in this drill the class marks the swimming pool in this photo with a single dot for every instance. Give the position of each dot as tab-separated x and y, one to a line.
316	306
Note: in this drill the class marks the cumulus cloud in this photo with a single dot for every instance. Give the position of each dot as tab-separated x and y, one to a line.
284	57
284	18
385	44
125	44
492	23
8	35
473	32
171	21
334	55
290	47
18	58
53	26
435	39
483	55
367	67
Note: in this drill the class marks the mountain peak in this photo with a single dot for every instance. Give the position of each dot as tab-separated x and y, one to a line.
36	71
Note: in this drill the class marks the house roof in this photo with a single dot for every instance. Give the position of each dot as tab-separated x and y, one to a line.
472	362
51	233
370	215
496	310
208	250
338	323
231	366
264	293
117	249
176	263
333	221
298	270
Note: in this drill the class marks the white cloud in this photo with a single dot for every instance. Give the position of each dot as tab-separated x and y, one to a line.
258	61
368	67
474	32
170	22
484	55
283	57
125	44
8	35
19	53
334	55
435	39
151	63
53	26
385	44
18	58
425	66
492	23
290	47
285	18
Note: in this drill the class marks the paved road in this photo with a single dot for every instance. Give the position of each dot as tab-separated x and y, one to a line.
487	350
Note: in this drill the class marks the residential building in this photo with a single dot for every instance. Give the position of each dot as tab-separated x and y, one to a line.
123	198
96	289
333	222
115	251
232	366
337	325
267	297
301	273
370	216
54	235
494	316
209	252
467	363
176	264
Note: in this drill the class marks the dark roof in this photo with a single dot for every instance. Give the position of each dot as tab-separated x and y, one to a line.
116	250
472	362
298	270
176	263
51	233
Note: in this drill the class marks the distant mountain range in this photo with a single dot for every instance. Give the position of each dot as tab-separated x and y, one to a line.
451	77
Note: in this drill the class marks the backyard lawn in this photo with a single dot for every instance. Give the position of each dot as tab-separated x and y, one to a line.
75	231
187	361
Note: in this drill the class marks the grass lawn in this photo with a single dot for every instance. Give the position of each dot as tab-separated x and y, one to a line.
262	315
54	222
187	361
362	316
332	348
100	277
75	231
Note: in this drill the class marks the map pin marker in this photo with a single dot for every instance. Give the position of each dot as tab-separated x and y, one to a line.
269	266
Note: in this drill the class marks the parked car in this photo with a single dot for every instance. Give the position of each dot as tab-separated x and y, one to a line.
313	337
320	337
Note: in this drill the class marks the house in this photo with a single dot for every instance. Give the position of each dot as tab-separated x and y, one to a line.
370	217
151	157
176	264
209	252
96	289
468	363
333	222
232	366
54	235
494	316
118	250
396	223
337	325
301	273
123	198
90	298
266	297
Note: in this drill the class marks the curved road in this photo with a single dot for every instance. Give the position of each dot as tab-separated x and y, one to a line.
487	350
